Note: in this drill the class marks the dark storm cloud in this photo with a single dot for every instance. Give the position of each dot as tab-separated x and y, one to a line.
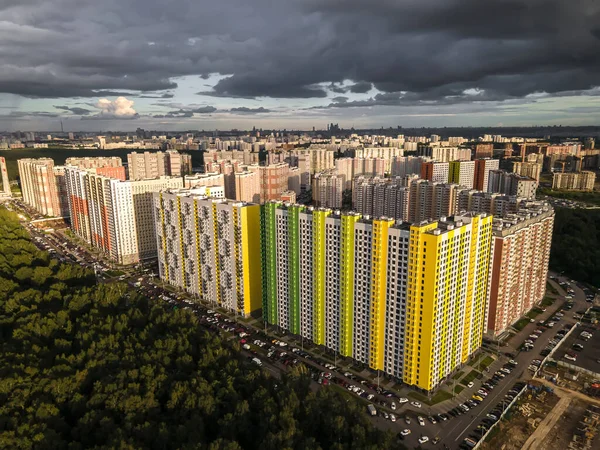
157	96
333	87
340	99
244	110
75	110
360	88
184	111
418	51
27	114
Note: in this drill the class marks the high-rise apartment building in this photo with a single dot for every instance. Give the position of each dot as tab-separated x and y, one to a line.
519	267
528	169
482	173
388	153
482	151
247	187
406	165
437	172
462	173
353	285
204	179
432	200
5	183
327	190
447	293
344	167
112	172
444	154
273	180
210	248
495	204
511	184
40	180
93	163
149	165
369	167
114	215
379	197
581	181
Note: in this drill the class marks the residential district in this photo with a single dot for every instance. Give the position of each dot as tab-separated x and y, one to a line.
416	261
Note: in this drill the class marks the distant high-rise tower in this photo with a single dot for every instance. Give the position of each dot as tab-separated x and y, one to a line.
5	185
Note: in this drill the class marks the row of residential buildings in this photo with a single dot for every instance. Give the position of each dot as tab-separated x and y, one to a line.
412	300
44	184
405	194
578	181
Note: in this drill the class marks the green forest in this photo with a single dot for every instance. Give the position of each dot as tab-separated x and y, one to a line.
576	244
100	366
592	198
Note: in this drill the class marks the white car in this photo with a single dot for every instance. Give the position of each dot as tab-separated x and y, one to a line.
402	400
416	404
370	397
570	357
423	440
421	421
405	432
392	417
471	384
393	405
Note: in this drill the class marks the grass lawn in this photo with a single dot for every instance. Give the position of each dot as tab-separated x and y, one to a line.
551	289
457	375
438	397
458	389
475	361
534	313
520	324
486	362
114	273
470	377
547	301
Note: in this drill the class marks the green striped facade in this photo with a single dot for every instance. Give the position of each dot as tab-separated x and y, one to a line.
269	261
294	267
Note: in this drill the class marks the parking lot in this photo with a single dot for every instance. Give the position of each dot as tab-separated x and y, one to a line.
585	352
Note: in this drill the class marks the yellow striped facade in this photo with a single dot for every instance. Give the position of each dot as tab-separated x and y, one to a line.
448	271
378	291
210	248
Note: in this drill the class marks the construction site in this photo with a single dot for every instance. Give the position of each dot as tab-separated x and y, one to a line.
548	418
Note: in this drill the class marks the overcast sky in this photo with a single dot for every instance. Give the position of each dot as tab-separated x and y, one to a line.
206	64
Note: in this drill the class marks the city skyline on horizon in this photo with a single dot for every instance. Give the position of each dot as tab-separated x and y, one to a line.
298	65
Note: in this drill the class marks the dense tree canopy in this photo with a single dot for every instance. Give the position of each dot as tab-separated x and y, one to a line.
576	244
99	366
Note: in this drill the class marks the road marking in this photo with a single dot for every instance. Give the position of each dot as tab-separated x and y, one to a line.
479	416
